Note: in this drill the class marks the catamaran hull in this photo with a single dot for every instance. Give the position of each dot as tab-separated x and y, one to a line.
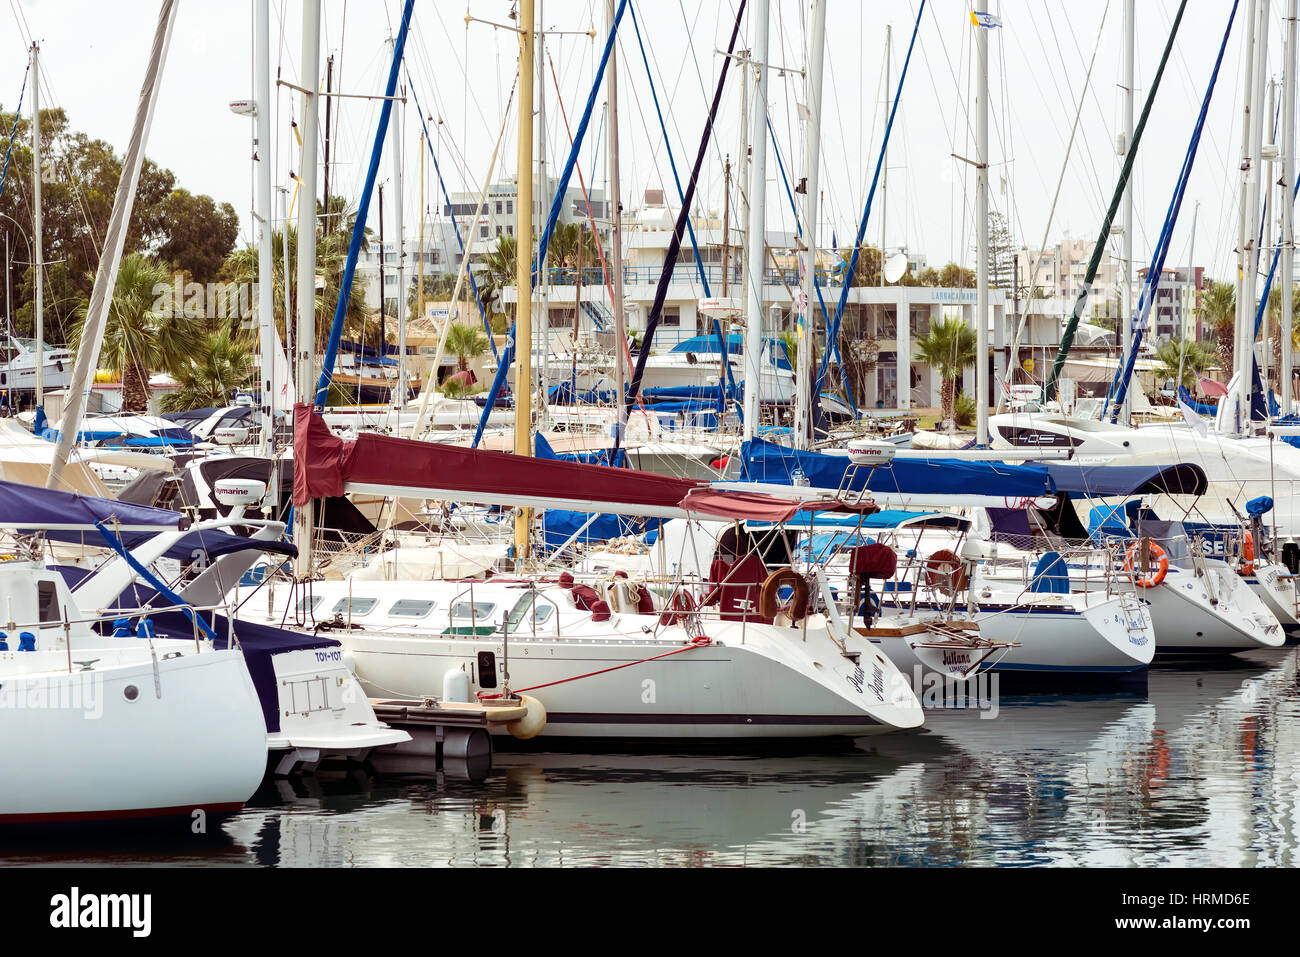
183	737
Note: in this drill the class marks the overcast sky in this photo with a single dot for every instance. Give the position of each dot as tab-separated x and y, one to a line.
94	53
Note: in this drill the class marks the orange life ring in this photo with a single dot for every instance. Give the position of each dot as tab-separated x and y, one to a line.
945	570
1149	581
680	605
796	608
1248	554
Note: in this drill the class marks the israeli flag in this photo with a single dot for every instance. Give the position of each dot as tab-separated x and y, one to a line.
984	20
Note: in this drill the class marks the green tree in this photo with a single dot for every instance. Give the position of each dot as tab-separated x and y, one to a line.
1195	359
1219	308
145	332
953	276
947	348
1001	252
201	235
497	273
211	375
867	272
78	190
572	245
465	342
331	256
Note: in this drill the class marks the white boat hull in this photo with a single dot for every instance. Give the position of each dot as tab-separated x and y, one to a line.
751	682
125	741
1060	636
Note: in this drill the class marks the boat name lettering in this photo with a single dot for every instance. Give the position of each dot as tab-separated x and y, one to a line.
329	655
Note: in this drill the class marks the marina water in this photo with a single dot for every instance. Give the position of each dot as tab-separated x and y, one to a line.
1201	769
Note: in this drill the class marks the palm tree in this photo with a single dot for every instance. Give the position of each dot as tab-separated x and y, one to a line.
1195	360
791	340
145	332
341	217
1219	308
571	245
1275	319
466	343
219	367
498	272
947	348
331	257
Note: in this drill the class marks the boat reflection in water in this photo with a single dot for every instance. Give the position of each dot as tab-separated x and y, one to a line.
1201	769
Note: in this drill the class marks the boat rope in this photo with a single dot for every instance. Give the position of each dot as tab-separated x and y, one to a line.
1005	391
13	133
730	384
363	209
833	332
683	217
702	641
798	231
1119	387
154	581
1103	235
591	219
1257	392
451	210
561	188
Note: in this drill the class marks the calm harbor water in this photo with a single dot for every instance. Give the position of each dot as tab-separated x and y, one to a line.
1203	769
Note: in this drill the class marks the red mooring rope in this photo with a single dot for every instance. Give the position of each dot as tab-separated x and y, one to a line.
703	641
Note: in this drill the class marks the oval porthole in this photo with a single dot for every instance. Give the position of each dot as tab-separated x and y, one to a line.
130	692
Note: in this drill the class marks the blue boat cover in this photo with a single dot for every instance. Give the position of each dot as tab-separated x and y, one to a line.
768	462
1051	575
31	506
1258	507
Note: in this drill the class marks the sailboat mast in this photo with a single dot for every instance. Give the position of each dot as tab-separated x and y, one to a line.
543	333
523	261
1266	233
1246	362
1126	212
1288	189
884	151
305	346
1241	392
982	248
39	264
395	145
616	234
755	231
812	162
265	261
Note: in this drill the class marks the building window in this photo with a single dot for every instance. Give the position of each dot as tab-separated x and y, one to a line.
498	207
483	232
498	230
560	319
671	316
510	207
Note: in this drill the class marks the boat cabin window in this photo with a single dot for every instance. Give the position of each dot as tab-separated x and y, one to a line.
542	611
476	610
47	599
360	606
308	604
410	608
